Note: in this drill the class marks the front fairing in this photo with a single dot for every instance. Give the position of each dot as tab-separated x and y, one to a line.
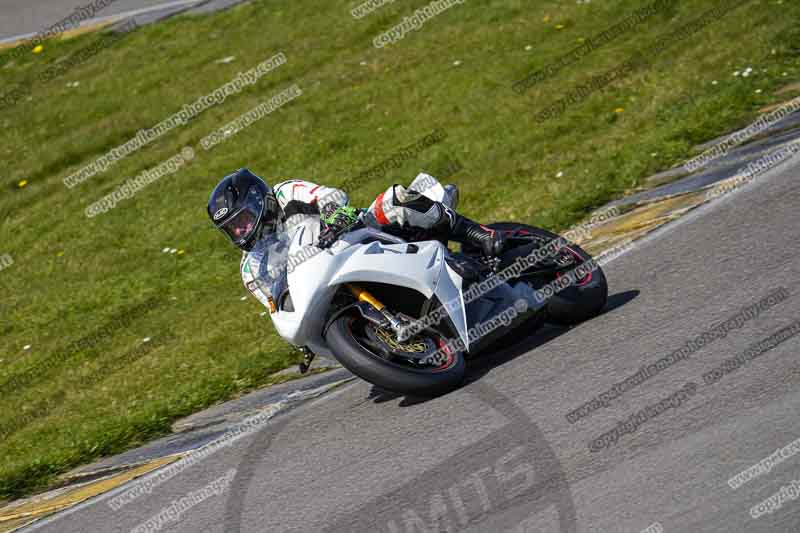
368	255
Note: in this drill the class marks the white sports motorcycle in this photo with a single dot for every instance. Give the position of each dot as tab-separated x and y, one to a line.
368	300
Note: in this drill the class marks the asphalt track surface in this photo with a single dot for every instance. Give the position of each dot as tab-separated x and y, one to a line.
499	454
21	17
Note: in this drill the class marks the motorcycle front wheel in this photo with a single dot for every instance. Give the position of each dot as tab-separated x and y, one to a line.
371	353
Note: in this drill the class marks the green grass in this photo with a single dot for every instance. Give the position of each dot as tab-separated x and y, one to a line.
71	274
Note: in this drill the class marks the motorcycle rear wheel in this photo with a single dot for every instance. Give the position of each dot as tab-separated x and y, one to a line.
574	304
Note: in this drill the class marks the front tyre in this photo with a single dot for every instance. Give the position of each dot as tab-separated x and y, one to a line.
371	354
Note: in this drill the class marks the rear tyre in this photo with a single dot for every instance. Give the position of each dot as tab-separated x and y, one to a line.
354	341
575	304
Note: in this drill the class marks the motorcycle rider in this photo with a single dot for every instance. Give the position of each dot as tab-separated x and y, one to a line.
249	212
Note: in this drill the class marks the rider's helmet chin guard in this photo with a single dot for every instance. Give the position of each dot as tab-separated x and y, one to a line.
244	208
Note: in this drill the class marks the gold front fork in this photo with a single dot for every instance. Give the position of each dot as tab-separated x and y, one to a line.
402	331
363	296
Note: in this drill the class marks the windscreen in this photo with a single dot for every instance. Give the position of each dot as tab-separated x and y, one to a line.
274	262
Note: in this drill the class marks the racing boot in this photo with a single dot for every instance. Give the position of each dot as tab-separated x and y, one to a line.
454	227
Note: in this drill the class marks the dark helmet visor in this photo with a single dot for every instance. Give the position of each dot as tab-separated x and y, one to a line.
243	224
